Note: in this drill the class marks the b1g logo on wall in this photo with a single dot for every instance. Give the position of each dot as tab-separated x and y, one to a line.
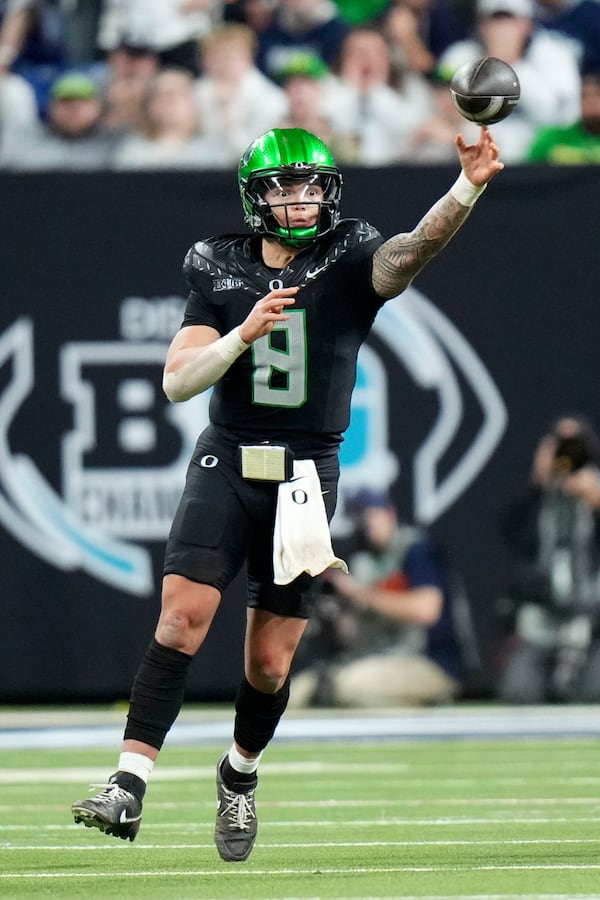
123	461
440	361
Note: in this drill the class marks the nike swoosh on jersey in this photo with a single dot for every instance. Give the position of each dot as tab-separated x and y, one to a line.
312	273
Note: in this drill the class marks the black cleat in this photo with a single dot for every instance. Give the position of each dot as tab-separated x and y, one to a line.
114	811
236	825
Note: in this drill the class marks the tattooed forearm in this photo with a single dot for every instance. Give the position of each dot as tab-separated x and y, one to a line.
396	262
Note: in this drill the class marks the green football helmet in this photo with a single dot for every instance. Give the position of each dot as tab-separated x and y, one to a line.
276	158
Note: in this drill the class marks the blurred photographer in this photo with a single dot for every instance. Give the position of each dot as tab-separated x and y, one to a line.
554	531
396	631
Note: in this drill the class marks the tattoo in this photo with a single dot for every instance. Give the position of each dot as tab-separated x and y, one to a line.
399	259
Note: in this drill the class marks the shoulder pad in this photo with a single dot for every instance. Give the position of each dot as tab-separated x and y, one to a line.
357	230
350	234
213	254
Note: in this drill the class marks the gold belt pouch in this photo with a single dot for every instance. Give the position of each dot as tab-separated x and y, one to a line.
266	462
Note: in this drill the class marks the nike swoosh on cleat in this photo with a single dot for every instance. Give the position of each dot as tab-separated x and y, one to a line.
125	820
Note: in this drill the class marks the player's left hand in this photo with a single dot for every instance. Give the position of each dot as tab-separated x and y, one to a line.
480	161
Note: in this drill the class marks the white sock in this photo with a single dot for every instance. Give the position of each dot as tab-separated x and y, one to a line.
137	764
241	763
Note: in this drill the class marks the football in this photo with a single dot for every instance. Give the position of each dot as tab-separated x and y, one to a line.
485	91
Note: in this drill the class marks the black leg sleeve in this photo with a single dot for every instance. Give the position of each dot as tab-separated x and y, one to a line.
257	715
157	694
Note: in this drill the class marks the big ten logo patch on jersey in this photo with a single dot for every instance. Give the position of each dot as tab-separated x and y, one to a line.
227	284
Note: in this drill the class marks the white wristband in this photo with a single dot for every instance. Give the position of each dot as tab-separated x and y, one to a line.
465	192
230	346
205	368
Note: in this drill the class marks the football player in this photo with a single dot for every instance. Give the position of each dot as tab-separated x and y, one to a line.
274	321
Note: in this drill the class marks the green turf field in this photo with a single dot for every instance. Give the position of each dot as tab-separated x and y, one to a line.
479	819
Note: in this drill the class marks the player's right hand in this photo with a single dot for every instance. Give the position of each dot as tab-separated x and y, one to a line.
266	312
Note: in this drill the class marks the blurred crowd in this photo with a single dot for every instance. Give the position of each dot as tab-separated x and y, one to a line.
188	84
149	84
551	607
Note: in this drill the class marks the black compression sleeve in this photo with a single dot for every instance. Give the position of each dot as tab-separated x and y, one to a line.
157	694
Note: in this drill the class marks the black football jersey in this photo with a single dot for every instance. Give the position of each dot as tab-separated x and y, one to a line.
295	384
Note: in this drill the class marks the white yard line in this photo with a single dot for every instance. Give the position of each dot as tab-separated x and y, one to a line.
308	845
338	870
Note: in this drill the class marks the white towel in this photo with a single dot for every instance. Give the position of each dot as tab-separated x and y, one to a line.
301	539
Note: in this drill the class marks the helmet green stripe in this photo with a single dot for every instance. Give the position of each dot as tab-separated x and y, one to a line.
284	147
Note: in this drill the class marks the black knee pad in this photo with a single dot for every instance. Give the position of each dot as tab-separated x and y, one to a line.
157	694
257	715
